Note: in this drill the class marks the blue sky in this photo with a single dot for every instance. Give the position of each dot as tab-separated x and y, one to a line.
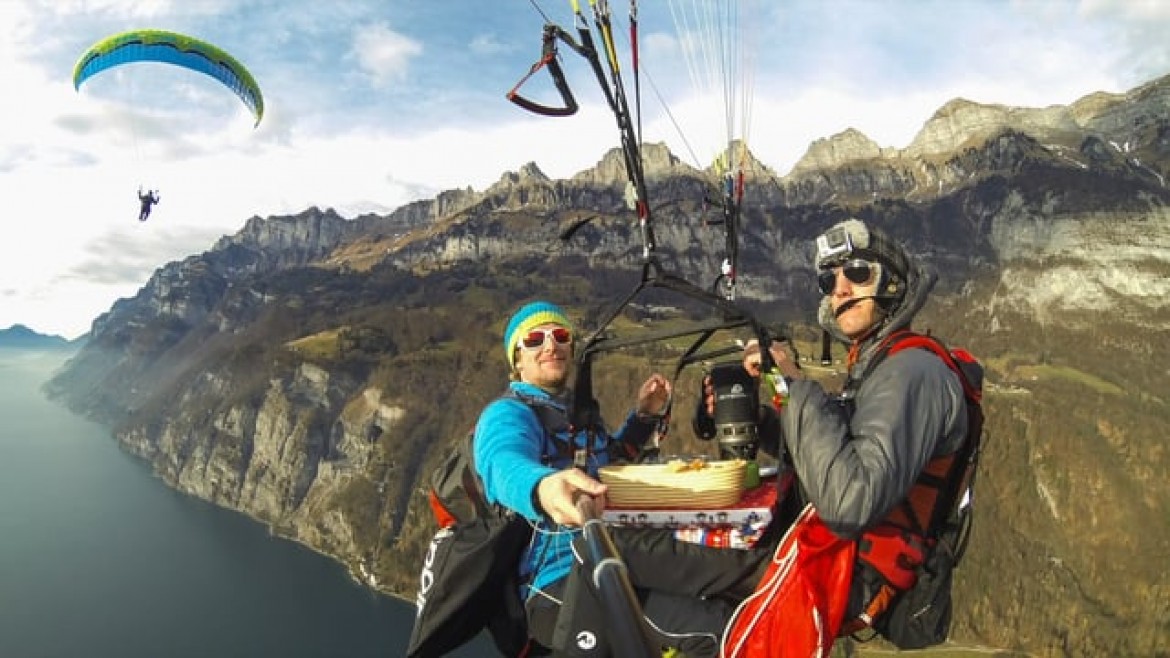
375	103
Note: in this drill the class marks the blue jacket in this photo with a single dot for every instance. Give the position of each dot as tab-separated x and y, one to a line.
512	454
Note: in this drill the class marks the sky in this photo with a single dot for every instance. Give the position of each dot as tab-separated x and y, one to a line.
372	104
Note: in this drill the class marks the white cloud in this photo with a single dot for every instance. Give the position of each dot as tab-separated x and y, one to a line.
487	44
383	53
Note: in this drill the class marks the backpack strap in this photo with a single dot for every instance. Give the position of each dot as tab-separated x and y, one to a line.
553	421
946	474
902	540
951	478
905	339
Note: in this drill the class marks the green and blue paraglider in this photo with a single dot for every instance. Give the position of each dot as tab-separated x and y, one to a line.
150	45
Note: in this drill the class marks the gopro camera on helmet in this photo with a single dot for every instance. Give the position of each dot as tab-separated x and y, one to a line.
834	245
736	409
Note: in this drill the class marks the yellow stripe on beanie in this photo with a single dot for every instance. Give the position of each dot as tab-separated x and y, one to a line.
529	317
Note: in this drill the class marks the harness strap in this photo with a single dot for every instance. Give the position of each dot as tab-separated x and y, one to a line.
894	553
899	544
881	601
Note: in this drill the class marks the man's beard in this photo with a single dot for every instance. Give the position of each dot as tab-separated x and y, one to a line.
558	384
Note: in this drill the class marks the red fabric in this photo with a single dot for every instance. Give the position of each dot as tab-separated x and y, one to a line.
442	516
895	553
799	604
900	340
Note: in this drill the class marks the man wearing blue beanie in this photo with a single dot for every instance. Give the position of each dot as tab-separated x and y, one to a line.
529	317
527	466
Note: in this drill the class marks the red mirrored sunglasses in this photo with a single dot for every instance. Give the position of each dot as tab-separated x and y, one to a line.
535	339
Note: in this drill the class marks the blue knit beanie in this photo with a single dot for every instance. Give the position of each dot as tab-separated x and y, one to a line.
526	319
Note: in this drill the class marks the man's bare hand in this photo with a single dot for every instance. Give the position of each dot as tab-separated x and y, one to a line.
558	494
653	396
782	356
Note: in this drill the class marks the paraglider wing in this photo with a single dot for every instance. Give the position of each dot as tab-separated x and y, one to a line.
171	48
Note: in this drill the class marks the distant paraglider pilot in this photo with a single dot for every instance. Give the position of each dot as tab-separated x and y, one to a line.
148	200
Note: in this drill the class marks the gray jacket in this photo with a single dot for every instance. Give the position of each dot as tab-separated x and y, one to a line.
857	458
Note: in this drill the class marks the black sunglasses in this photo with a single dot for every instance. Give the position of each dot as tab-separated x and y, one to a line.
857	270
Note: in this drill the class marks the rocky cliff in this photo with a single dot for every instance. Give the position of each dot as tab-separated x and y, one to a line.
309	370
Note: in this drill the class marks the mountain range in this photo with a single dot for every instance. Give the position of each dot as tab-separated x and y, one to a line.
19	336
310	370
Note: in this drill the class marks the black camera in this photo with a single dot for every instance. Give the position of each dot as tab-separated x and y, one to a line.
737	404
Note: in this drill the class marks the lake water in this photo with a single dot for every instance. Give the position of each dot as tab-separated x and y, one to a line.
99	559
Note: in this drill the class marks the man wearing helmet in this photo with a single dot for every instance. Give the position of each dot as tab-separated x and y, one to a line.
857	454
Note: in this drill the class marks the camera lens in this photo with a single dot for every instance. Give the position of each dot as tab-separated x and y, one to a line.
736	405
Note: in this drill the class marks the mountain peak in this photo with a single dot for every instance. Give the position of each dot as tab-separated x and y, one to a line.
751	166
529	173
20	336
961	122
846	146
657	161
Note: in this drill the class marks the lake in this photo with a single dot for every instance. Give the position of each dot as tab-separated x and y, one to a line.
98	558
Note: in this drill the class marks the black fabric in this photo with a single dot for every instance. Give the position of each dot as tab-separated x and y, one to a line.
579	627
543	613
469	568
694	626
657	561
455	485
921	616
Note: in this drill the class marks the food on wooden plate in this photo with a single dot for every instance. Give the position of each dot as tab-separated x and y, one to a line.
680	465
687	484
